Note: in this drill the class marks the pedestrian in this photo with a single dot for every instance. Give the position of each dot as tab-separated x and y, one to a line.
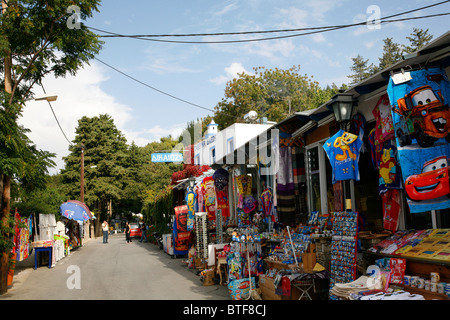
143	232
105	228
128	232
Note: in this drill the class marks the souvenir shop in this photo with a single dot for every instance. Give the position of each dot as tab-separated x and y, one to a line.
358	208
381	178
46	239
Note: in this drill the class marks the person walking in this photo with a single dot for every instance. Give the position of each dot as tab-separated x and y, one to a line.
143	232
128	232
105	228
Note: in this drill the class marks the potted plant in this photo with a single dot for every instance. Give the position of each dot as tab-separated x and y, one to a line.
11	268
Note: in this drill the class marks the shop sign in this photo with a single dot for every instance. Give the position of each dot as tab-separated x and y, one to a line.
167	157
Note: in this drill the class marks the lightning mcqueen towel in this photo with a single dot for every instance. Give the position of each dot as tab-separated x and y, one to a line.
421	117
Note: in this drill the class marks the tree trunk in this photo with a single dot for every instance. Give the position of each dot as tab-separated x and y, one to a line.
97	224
5	209
6	180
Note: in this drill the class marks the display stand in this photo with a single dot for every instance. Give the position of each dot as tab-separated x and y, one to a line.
343	249
304	286
201	229
40	250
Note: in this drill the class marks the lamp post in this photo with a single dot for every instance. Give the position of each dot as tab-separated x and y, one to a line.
342	105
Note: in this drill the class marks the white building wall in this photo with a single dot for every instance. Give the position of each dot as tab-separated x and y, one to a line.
226	141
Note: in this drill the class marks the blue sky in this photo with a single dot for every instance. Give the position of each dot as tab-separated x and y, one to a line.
198	72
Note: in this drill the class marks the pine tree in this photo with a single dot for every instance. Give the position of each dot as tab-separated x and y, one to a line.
391	54
418	39
104	164
361	70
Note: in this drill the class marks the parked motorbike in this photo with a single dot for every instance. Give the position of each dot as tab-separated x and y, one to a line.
159	240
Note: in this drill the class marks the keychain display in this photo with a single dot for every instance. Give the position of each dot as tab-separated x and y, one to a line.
343	248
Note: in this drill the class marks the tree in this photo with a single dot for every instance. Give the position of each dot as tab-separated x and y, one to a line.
45	199
157	176
271	93
361	70
134	181
104	159
417	40
34	41
392	53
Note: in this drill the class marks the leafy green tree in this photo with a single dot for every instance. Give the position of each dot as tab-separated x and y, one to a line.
105	151
271	93
34	41
157	176
134	186
45	199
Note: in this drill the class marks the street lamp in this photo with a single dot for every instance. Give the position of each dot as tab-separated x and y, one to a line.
47	97
342	105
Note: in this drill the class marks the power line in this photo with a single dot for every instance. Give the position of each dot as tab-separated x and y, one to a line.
56	118
271	38
312	30
158	90
269	31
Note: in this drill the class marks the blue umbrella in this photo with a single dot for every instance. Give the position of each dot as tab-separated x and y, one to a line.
75	210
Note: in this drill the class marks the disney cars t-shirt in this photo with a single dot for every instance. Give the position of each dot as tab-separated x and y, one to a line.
343	152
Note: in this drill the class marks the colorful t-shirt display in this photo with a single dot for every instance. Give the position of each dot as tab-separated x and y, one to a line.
384	128
191	198
389	170
244	183
391	209
209	197
221	186
343	150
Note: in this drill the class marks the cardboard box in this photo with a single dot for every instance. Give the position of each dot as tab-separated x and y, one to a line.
209	278
267	288
309	259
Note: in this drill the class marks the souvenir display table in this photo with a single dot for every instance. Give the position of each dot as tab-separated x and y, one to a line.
426	258
43	246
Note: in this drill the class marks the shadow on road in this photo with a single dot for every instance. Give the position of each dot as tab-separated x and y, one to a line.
179	264
25	269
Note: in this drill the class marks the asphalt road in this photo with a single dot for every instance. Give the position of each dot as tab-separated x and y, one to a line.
113	271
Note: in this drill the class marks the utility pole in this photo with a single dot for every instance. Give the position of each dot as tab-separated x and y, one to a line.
82	174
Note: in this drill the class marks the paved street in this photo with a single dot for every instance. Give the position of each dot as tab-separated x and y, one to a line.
116	270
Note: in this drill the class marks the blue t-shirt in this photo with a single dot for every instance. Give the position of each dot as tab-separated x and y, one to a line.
343	152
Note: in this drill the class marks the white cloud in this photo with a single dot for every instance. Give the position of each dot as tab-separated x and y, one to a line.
319	56
370	44
293	18
226	9
163	62
231	72
318	37
273	51
78	96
